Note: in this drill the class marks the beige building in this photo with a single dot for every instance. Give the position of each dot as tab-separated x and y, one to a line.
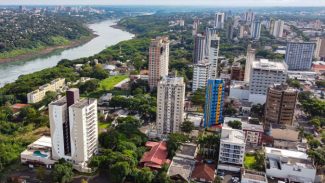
280	105
158	60
284	137
39	94
170	104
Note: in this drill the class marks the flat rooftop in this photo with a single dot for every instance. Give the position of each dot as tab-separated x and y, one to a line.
252	127
44	141
181	166
254	175
286	153
59	102
83	102
265	64
232	135
187	149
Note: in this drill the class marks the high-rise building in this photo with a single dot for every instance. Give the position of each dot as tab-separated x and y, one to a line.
170	104
74	128
318	46
256	30
280	105
299	56
158	60
219	20
214	99
249	17
230	30
209	34
277	30
201	74
263	74
199	48
250	57
195	27
241	31
322	49
214	55
237	72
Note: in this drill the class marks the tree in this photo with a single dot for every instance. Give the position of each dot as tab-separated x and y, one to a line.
260	158
40	173
235	124
316	122
320	83
62	172
89	86
187	126
119	171
314	143
294	83
174	141
144	175
257	111
198	97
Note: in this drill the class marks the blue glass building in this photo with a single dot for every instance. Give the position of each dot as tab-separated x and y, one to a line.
214	99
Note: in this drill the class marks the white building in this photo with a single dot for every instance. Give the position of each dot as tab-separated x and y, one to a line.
263	74
214	55
239	90
292	165
278	29
232	146
199	48
250	176
158	60
256	30
250	57
74	129
39	94
201	74
219	20
170	104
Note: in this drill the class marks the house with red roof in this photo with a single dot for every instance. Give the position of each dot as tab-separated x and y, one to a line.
17	107
156	157
203	172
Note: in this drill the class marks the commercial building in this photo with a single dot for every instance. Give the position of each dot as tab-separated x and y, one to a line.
219	20
199	48
239	90
292	165
214	99
158	60
195	27
256	30
249	17
209	34
237	72
277	29
214	55
299	56
201	74
232	147
251	176
253	133
280	105
170	104
250	57
74	129
322	50
39	94
263	74
318	44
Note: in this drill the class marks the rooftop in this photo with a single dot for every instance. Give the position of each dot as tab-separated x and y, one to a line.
181	166
157	156
286	153
254	175
265	64
204	171
252	127
232	135
83	102
44	141
187	150
59	102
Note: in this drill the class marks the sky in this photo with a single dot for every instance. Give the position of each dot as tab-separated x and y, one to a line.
244	3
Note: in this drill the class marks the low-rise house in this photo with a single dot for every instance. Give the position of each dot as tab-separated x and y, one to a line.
284	137
292	165
250	176
253	133
156	157
203	172
17	107
183	163
38	153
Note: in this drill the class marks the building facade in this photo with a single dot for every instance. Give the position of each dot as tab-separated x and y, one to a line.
237	72
201	73
74	128
214	55
250	57
278	29
299	56
170	104
199	48
280	105
263	74
253	133
39	94
158	60
214	100
256	30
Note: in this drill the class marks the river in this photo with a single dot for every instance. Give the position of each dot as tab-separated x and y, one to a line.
107	36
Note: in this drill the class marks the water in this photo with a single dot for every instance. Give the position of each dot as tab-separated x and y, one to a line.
107	36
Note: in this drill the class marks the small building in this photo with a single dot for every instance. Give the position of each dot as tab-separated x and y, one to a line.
39	94
318	67
38	153
203	172
250	176
284	137
17	107
292	165
253	133
105	98
156	157
239	90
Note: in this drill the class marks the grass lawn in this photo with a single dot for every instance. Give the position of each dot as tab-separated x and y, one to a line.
249	161
109	83
103	125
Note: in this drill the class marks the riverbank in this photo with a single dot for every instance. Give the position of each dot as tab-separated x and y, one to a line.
49	50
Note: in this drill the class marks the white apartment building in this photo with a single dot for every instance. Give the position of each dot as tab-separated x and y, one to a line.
158	60
74	129
219	20
278	29
232	146
201	73
292	165
39	94
199	48
170	104
250	57
214	55
263	74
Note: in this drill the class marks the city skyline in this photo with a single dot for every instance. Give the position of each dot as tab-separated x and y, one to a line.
233	3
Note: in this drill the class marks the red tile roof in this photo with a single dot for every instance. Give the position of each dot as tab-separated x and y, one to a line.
19	106
203	171
157	156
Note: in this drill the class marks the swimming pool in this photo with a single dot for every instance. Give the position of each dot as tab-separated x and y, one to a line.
39	154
